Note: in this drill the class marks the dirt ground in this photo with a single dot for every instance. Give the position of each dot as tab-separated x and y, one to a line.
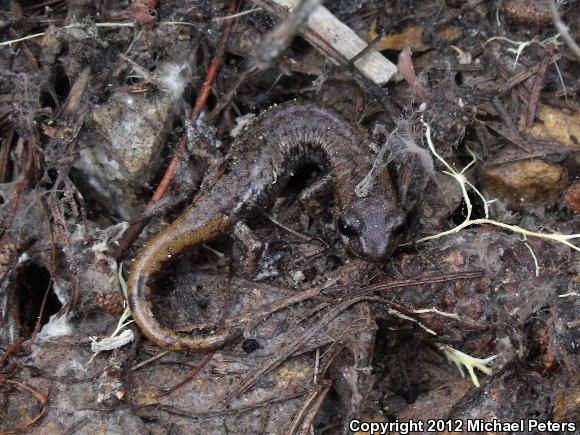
112	111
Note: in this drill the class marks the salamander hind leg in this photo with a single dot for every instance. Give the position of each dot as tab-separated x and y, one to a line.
310	198
253	247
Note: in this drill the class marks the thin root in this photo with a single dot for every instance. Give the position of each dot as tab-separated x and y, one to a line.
462	181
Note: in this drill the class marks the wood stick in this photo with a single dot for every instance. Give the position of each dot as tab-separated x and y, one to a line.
335	40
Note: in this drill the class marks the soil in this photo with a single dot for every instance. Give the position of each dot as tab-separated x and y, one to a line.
111	112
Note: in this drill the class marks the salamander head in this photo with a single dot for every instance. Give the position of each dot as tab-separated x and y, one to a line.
371	226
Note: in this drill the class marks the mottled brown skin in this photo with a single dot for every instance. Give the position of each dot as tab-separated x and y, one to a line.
260	162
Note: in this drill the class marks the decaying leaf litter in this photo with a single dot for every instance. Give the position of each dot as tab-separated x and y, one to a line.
106	105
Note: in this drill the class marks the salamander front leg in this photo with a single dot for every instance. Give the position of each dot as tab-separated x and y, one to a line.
252	246
311	197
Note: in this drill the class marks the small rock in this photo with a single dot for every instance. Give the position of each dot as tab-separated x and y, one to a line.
525	181
120	151
530	12
554	124
573	198
110	393
412	36
567	401
298	276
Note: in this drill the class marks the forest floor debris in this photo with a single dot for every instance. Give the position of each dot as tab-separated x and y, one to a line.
110	115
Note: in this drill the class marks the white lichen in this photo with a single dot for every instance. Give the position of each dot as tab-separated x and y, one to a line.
57	326
462	360
110	343
173	78
120	335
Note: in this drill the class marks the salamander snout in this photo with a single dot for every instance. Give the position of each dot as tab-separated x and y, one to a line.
372	230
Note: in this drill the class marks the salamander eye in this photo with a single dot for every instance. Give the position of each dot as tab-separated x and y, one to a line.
345	229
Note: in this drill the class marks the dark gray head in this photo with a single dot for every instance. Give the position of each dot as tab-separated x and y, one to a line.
371	226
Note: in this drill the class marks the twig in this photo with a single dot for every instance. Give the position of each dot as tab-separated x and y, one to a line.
32	62
312	403
438	312
281	36
268	50
335	40
192	374
346	64
512	136
12	348
238	15
266	310
27	178
5	154
455	276
229	410
42	5
149	360
75	95
70	26
504	115
363	294
52	280
535	95
290	230
41	398
228	96
563	30
518	78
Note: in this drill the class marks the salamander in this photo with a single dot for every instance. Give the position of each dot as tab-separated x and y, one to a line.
259	163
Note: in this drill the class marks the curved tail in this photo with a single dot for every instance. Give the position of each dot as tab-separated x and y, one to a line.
151	260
